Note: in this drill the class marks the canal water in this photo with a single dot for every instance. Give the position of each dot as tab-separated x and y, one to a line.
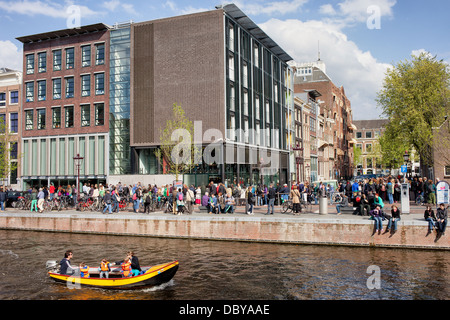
219	270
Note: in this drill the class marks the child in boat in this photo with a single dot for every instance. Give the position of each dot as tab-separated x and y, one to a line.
126	267
105	268
84	270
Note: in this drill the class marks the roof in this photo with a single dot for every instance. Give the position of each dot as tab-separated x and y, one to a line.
7	70
370	124
240	17
63	33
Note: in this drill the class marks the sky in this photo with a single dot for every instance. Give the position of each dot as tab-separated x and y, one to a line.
358	39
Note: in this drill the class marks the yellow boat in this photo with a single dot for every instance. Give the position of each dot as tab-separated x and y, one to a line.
151	276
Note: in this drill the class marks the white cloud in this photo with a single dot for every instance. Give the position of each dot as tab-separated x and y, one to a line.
270	8
111	5
116	4
350	12
10	56
347	65
45	8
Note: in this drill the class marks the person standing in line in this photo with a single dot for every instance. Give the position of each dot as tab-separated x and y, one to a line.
295	196
250	201
107	200
3	197
41	199
271	195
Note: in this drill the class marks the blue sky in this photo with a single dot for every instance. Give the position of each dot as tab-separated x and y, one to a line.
356	54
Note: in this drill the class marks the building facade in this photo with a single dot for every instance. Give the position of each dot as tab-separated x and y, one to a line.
106	92
336	145
10	106
66	106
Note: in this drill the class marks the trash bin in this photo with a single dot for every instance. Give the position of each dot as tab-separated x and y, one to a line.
323	205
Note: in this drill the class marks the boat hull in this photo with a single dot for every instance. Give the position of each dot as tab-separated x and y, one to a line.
153	276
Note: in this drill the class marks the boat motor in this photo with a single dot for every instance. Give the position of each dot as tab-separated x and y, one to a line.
52	265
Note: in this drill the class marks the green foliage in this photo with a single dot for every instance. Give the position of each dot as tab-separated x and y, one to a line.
178	151
6	165
415	97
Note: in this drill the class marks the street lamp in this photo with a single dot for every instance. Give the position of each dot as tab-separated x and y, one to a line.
298	160
78	162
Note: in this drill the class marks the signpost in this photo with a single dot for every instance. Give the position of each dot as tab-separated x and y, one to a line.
442	192
404	168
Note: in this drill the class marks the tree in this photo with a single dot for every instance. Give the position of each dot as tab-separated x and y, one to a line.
6	146
178	154
415	97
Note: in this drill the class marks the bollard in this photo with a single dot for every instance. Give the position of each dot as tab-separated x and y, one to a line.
323	205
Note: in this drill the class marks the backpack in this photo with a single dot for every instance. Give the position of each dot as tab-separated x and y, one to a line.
180	196
134	196
147	199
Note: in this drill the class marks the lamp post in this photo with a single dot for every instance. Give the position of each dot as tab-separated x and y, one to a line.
298	159
78	162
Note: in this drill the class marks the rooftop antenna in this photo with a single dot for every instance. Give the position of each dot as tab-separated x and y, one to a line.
318	50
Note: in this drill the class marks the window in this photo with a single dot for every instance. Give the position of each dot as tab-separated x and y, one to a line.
13	153
359	146
2	99
57	60
30	63
86	85
42	62
3	123
41	119
70	58
29	89
56	118
246	133
86	56
358	135
312	124
42	90
100	83
14	122
369	147
70	87
28	119
231	37
56	89
14	97
68	116
447	170
100	54
368	134
99	114
369	162
85	115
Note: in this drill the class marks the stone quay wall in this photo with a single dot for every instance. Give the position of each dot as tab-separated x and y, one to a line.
294	230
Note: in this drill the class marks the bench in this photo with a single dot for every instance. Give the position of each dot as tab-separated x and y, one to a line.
349	210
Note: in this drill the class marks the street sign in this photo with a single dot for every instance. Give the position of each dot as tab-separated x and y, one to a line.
442	192
404	169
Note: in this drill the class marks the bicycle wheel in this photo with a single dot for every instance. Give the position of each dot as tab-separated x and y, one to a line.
285	207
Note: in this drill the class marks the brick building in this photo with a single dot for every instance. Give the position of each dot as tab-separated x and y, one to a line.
66	106
10	105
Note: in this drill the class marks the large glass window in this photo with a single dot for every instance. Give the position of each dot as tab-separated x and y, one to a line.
42	62
56	88
28	119
56	118
2	99
68	117
99	53
70	58
41	119
42	90
70	87
14	122
30	63
85	85
85	115
86	56
14	97
57	60
99	83
99	114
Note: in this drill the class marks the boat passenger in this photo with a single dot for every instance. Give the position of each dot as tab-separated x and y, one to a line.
84	270
105	268
135	266
126	267
65	267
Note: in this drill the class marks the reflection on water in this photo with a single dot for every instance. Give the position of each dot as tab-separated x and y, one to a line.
216	270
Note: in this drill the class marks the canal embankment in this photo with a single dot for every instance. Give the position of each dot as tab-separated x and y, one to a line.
307	228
